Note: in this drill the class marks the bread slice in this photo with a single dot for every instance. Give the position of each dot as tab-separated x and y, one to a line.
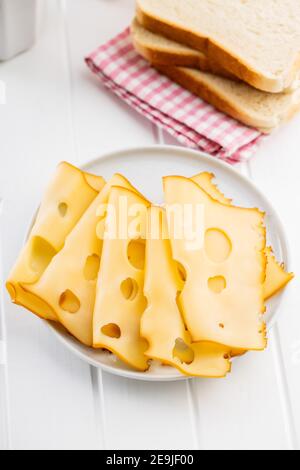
160	50
264	111
251	106
257	41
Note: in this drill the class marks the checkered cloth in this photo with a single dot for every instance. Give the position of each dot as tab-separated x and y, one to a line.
193	122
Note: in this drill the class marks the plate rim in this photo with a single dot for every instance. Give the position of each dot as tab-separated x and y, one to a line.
202	156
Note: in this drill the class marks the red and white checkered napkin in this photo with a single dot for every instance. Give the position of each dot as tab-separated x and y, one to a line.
193	122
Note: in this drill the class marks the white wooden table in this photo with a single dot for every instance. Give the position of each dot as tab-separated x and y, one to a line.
48	398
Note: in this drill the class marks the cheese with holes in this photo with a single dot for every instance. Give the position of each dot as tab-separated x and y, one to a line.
120	301
223	298
69	194
276	276
68	286
162	324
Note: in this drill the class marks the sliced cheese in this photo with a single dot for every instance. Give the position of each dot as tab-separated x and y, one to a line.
206	181
162	324
120	301
69	194
276	276
223	298
68	285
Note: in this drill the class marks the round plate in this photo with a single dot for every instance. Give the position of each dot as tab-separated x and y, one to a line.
145	167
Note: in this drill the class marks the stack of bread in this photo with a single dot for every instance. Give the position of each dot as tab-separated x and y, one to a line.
241	56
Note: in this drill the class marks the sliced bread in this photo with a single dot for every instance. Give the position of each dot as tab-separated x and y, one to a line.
257	41
264	111
160	50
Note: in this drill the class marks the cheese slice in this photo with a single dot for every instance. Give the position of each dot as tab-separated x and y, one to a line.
162	324
276	276
222	300
206	181
120	300
69	194
68	285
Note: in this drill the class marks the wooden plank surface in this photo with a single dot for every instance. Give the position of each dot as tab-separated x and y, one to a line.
50	390
275	170
5	436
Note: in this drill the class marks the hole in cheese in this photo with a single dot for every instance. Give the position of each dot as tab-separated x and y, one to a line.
182	272
183	352
91	267
69	302
136	253
41	254
218	246
112	330
222	326
217	284
129	289
63	209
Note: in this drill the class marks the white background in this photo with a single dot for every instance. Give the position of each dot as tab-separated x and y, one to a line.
56	110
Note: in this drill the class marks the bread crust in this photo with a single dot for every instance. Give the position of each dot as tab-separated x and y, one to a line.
162	57
218	55
194	59
216	99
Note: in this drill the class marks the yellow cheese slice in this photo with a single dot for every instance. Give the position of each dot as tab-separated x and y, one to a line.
162	324
276	276
206	181
222	300
68	285
69	194
120	301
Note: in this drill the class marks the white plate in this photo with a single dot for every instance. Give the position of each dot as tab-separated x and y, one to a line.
145	167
